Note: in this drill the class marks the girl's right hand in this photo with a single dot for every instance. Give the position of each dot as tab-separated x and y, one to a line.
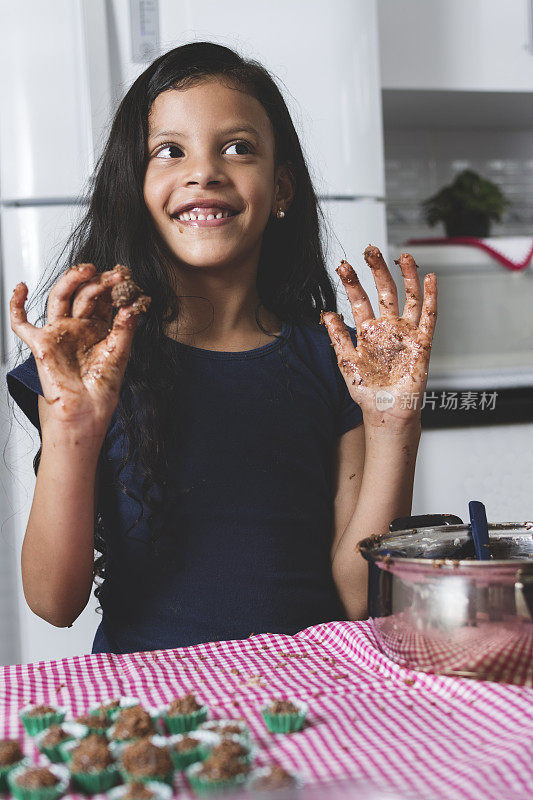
81	353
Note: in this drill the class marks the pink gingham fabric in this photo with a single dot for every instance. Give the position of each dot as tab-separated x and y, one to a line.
418	735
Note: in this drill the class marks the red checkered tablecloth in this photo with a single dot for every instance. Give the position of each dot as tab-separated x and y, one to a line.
418	735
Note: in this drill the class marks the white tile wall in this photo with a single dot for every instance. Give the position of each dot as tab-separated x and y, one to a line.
418	162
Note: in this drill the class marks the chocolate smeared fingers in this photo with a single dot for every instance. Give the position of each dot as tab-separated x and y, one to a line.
359	301
413	289
387	292
347	357
428	318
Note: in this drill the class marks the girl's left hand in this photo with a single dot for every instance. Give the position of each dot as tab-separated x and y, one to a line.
387	372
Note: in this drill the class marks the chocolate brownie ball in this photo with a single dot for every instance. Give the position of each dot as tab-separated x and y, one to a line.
55	735
10	752
183	705
230	749
124	293
186	744
133	723
145	759
91	755
37	778
40	711
221	768
283	707
97	721
275	778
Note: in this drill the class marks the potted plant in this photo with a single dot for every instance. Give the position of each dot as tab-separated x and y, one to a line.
466	206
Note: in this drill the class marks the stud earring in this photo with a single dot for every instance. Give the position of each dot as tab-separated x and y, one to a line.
280	214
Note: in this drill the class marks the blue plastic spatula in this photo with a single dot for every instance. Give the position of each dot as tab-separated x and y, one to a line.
480	530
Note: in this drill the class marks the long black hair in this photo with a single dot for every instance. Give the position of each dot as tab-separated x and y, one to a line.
292	279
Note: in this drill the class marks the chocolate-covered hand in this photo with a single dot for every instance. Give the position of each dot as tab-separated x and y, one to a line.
82	351
386	373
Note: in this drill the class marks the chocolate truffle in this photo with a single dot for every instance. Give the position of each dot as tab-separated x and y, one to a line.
55	735
226	728
96	721
276	778
91	755
186	744
37	778
133	723
221	768
283	707
145	759
183	705
40	711
124	293
230	749
10	752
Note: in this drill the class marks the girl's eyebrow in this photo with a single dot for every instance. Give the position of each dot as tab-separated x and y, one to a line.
226	132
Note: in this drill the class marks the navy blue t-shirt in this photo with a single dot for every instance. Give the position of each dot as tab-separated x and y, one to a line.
249	520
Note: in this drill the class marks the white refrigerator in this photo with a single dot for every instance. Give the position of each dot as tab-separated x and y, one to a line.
65	64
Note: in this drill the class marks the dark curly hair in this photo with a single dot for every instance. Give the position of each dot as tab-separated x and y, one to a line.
292	280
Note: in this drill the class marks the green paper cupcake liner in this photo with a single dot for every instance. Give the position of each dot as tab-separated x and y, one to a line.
4	772
56	754
285	723
46	793
34	725
96	782
183	760
128	778
183	723
206	788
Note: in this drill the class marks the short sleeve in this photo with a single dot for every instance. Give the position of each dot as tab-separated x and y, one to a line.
24	386
350	415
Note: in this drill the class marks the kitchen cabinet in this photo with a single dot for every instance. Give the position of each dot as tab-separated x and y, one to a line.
456	45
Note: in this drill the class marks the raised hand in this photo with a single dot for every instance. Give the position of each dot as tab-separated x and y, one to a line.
386	373
82	352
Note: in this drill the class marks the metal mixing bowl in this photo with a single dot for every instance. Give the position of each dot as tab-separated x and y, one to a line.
436	609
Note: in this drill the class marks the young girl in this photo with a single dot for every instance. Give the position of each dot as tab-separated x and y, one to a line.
209	443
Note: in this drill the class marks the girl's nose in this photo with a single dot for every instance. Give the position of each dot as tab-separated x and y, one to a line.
204	171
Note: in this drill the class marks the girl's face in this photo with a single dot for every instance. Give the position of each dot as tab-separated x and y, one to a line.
212	144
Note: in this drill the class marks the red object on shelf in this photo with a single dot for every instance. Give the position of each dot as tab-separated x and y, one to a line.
508	260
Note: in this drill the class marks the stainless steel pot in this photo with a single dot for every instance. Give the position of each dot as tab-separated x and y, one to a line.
436	609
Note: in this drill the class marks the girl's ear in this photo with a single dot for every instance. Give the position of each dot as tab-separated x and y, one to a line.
284	187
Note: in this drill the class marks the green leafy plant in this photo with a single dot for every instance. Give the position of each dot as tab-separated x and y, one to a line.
467	206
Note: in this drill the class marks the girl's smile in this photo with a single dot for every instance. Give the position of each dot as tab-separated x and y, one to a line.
211	182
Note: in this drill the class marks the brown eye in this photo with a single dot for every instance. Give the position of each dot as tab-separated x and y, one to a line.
241	149
169	151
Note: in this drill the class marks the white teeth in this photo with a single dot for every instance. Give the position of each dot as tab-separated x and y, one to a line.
186	216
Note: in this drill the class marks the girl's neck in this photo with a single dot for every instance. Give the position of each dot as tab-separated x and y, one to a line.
218	312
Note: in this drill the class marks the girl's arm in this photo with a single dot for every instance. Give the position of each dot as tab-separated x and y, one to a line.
58	548
386	374
366	503
81	356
